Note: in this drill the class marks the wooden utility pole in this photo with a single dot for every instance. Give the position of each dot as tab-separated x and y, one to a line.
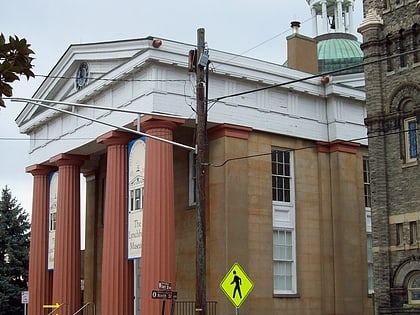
201	168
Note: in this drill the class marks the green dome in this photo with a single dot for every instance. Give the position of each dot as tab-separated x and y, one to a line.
337	51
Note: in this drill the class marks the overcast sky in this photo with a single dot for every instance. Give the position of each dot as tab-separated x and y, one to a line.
256	29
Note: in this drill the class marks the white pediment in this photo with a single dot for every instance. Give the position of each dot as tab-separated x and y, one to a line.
102	58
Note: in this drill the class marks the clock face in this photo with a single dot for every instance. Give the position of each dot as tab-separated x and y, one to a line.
82	75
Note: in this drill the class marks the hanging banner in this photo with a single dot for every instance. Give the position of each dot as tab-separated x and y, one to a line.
52	218
136	159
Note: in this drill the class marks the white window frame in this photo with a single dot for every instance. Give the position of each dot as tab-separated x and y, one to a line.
284	221
192	179
369	251
368	213
411	143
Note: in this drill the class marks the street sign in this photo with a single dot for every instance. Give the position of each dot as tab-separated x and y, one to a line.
24	295
164	295
236	285
164	285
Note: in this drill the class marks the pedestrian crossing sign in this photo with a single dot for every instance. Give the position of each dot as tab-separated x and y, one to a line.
236	285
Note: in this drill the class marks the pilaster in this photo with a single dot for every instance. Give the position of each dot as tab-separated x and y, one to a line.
39	276
117	271
158	249
67	261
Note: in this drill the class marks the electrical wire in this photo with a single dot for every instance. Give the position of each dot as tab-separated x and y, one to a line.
306	147
260	44
110	80
216	99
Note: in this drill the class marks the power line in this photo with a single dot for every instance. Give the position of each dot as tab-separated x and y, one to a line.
216	99
307	147
110	80
260	44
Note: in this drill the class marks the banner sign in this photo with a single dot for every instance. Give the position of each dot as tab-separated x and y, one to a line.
136	159
52	218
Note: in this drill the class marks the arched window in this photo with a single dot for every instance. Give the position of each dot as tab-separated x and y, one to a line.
413	289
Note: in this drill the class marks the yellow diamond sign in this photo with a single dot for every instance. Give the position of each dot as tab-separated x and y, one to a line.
236	285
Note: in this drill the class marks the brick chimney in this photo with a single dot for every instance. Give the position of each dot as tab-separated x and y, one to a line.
302	51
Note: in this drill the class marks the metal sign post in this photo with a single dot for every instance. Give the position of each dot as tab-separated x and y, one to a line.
165	293
25	300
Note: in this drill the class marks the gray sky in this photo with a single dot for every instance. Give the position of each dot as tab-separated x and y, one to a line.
256	29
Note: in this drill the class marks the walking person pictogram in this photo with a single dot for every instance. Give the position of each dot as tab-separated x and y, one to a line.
238	282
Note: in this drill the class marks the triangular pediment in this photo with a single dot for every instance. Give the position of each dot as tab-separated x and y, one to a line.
81	66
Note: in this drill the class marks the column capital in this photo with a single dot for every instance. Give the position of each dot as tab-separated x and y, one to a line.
40	169
150	122
115	137
69	159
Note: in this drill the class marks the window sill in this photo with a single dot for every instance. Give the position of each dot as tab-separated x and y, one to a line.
409	164
290	296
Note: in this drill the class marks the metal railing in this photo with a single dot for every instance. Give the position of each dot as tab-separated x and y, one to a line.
188	308
55	309
85	307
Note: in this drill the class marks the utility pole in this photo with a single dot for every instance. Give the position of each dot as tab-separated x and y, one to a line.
201	168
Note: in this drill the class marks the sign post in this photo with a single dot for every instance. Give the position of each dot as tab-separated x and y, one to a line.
165	293
236	285
24	295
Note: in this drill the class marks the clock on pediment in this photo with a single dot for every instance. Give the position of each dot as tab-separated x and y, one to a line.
82	75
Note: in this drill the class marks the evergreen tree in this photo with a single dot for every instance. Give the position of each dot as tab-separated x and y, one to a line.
14	253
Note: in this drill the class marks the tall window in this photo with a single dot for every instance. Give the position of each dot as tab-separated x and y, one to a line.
367	193
284	238
366	181
413	232
280	163
410	133
401	49
388	44
415	41
399	234
283	260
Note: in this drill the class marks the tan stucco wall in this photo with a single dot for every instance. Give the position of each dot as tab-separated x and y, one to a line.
330	227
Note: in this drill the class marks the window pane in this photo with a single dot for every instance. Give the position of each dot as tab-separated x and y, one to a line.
281	175
412	138
283	277
416	283
415	295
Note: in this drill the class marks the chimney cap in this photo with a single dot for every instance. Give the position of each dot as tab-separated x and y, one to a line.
295	26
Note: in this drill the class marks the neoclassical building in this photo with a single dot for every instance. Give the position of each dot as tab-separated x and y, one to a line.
391	44
285	187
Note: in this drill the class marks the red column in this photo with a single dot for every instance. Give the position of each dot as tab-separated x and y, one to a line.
39	276
67	262
117	271
158	244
